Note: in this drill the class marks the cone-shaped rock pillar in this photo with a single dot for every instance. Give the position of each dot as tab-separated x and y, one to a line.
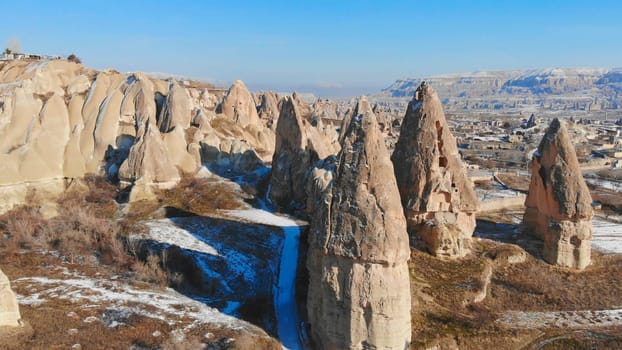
559	204
359	288
438	199
297	149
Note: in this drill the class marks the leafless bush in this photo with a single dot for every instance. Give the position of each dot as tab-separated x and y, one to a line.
22	228
150	271
73	58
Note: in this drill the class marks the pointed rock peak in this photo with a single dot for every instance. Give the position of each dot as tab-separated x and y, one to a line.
554	127
423	90
239	105
361	111
363	107
364	159
293	156
290	126
559	204
358	246
556	166
438	198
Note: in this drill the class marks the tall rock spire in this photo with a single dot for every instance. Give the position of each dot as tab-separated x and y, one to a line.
359	287
297	148
559	204
438	199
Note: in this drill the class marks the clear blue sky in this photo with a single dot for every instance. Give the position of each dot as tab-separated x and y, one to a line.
329	47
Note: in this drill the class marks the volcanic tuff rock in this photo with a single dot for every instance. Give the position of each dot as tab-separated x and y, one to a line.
61	120
9	310
438	199
559	204
298	147
268	108
359	289
239	105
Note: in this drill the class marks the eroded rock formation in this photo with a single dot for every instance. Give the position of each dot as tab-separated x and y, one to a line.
438	199
559	205
9	309
61	120
297	149
359	289
239	105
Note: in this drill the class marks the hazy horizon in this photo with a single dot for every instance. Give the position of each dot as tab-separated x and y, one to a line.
328	48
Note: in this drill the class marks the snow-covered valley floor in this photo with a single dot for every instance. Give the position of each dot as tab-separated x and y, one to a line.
233	261
120	298
607	234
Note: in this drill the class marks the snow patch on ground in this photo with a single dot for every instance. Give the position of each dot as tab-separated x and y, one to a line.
606	235
165	231
260	216
288	320
87	293
487	195
561	319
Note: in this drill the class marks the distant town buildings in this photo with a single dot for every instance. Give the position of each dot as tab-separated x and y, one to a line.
8	56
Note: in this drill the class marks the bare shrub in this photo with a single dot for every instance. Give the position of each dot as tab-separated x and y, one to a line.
150	271
73	58
22	228
78	231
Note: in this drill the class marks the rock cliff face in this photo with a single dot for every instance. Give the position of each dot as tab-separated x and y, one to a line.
559	204
299	145
61	120
551	89
9	310
438	199
359	289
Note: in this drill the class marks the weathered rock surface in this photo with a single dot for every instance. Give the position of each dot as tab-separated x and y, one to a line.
9	309
559	204
298	147
268	108
359	289
62	120
438	199
239	105
148	159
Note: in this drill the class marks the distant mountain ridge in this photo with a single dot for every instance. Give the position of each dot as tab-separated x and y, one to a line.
552	88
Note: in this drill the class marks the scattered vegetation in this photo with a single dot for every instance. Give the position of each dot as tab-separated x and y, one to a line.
84	230
441	315
73	58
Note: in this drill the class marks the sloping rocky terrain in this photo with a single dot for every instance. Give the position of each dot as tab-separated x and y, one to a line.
144	213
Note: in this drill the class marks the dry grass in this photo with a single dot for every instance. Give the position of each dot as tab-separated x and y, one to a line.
150	271
192	196
84	230
53	320
439	288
